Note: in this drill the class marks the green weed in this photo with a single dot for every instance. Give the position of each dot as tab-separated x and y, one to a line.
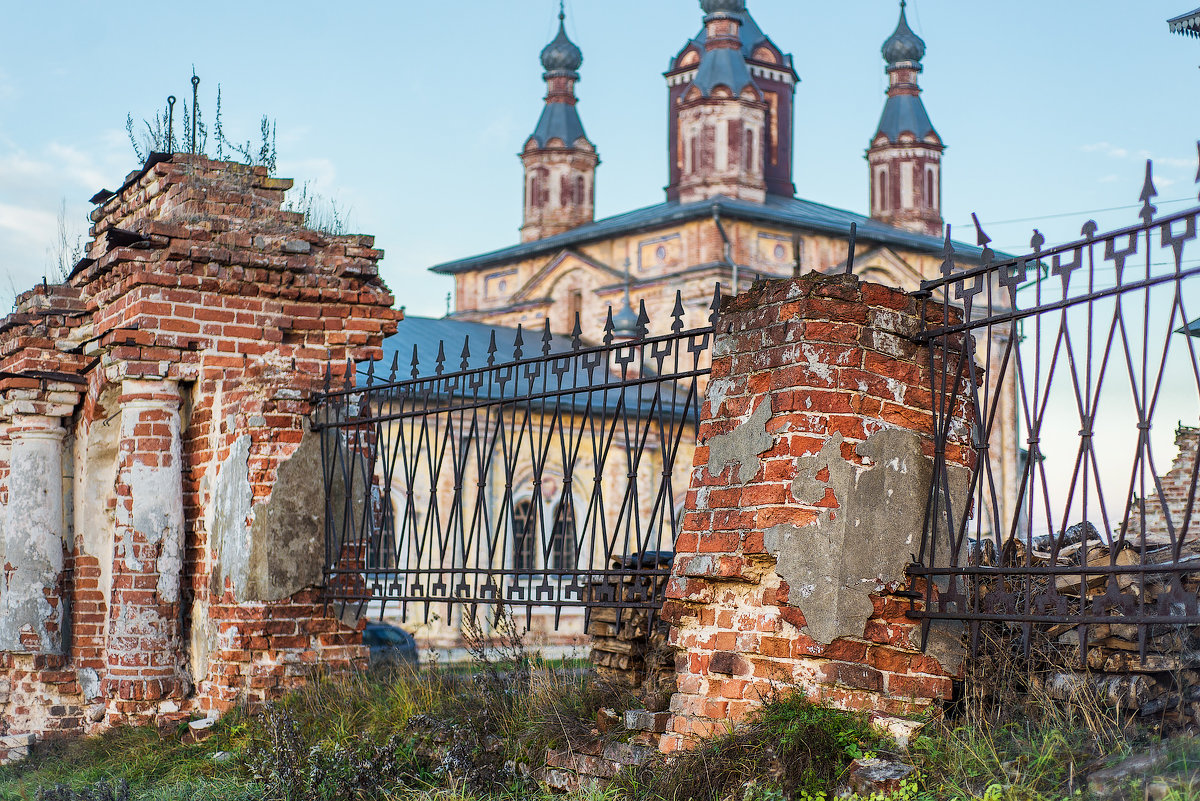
791	748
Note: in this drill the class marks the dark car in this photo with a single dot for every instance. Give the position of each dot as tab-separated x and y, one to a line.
390	645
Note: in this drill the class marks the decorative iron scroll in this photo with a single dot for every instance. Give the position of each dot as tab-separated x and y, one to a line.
1057	496
552	479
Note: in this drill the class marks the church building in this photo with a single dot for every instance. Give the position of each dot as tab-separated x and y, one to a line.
731	213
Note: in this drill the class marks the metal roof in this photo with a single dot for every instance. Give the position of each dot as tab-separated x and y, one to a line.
1187	24
903	45
722	68
559	121
427	334
588	379
752	35
787	212
904	113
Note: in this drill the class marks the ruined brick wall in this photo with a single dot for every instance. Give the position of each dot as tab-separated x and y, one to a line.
806	504
156	449
1180	488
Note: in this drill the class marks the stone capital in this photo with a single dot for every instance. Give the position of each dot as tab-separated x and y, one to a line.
149	393
34	426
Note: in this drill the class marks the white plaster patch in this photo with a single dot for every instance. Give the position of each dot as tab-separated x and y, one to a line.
820	368
89	683
158	516
232	515
718	390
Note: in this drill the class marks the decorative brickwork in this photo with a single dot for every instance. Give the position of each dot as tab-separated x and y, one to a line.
161	486
806	504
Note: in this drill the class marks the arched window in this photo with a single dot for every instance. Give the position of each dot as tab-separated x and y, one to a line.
883	190
580	187
524	538
749	150
539	190
562	537
930	192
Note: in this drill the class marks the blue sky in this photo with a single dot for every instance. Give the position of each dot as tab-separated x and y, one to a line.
410	114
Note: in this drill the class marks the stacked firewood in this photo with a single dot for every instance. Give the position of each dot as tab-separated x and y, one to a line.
629	645
1151	669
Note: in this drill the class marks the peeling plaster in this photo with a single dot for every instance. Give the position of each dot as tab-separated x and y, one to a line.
96	455
158	516
33	552
743	446
230	527
273	549
203	641
864	542
288	532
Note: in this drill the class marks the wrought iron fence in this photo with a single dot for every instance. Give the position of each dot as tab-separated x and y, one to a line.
551	479
1073	508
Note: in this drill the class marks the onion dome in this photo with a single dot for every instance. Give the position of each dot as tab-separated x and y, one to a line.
723	6
562	55
625	321
903	45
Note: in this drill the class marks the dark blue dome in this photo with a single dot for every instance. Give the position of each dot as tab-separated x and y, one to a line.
561	55
723	6
903	45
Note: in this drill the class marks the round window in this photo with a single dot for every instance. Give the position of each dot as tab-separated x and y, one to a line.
661	253
779	251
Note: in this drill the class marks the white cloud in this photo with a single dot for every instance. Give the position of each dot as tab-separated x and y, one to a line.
1105	148
34	185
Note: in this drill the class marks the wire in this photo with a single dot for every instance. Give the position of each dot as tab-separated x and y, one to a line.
971	224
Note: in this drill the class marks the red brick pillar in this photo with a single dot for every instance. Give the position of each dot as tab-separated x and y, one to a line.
806	504
33	554
144	639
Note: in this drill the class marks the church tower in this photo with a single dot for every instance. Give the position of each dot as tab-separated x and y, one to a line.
730	117
905	155
560	162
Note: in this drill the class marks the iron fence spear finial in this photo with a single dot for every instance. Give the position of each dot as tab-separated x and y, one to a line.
1148	193
715	306
576	334
677	312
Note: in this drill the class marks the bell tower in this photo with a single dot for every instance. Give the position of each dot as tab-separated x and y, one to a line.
560	162
721	115
905	155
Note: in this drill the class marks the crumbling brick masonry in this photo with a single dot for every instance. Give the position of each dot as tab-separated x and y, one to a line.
806	504
163	525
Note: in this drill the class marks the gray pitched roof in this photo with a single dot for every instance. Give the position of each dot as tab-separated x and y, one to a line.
561	121
586	379
788	212
1187	24
904	113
